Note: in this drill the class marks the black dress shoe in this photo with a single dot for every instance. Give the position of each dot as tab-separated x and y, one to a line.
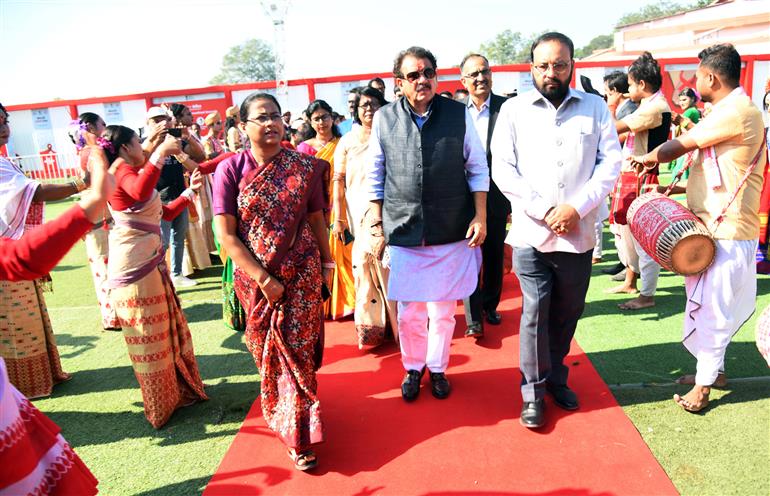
410	386
533	414
494	317
475	330
614	269
439	385
564	397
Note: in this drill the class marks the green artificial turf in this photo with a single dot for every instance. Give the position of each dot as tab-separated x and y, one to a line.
100	409
723	451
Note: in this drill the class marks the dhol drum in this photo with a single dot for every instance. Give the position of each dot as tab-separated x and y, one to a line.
672	235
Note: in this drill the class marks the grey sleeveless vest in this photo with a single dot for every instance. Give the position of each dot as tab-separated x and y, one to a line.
427	197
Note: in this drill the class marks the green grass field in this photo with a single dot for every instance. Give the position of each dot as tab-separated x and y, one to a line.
725	450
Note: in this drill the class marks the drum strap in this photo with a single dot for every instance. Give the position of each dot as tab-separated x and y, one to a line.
745	178
688	161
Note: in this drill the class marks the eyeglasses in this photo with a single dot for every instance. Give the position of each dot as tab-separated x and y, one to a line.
414	76
558	67
265	119
475	74
320	118
370	105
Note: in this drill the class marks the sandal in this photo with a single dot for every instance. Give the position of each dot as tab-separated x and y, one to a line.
303	460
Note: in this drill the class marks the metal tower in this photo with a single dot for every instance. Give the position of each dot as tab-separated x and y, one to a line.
276	10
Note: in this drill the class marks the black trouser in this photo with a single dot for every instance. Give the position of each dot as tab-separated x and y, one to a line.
486	297
553	287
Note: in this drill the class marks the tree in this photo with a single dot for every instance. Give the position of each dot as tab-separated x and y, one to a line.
252	60
601	41
646	13
656	10
509	47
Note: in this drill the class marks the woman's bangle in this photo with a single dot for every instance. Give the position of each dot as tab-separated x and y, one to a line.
328	265
264	283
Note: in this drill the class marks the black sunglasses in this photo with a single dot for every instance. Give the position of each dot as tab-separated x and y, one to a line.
414	76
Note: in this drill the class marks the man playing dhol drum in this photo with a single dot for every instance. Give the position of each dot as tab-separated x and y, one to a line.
729	163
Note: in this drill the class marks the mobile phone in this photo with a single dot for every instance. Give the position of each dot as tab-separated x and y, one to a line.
176	132
348	237
325	293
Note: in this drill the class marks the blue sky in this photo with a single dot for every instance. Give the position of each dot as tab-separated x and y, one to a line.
87	48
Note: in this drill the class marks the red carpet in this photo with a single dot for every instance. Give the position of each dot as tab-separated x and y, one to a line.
471	443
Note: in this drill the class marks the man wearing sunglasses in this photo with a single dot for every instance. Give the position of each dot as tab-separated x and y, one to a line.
484	106
428	181
555	156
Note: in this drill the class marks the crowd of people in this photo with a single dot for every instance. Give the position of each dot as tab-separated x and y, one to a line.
391	218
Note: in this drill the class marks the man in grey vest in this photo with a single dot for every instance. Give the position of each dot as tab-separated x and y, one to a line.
428	181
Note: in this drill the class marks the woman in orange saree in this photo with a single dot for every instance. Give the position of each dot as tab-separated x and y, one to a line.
268	208
323	145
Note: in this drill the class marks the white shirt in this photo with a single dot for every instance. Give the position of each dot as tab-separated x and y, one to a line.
480	118
543	157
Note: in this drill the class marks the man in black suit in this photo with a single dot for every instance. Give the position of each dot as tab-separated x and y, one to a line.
484	107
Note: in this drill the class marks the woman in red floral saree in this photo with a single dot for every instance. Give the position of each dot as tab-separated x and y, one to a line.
268	207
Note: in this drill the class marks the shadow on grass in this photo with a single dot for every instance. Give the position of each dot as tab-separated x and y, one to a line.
81	344
229	403
192	486
64	268
234	342
661	364
734	393
203	312
117	378
668	302
230	483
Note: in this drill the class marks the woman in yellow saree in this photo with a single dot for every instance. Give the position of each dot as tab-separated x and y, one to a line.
323	145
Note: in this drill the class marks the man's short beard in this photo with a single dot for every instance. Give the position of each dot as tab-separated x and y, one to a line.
557	93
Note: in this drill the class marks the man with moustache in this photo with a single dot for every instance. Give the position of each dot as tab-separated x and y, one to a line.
730	160
484	106
555	156
427	183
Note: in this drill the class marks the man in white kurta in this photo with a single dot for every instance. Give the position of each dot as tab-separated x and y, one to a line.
427	181
730	160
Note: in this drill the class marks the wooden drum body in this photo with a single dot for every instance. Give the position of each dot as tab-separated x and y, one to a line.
671	234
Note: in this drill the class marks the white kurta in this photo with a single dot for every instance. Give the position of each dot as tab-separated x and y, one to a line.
719	302
433	273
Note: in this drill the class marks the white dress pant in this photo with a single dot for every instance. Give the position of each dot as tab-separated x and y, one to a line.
425	332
